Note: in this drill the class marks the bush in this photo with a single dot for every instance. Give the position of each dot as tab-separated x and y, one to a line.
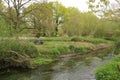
16	53
23	48
108	71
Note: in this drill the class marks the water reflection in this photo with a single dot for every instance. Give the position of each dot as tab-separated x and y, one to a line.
70	68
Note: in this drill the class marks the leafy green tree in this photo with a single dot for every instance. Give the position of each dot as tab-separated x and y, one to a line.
40	18
78	23
59	12
13	13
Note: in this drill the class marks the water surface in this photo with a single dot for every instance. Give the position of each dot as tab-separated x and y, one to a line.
70	68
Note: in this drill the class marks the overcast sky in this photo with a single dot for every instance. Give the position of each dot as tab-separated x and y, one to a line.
80	4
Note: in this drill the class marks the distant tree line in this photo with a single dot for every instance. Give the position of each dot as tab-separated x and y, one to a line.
45	18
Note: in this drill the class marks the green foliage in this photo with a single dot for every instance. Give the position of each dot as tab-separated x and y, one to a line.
54	50
63	49
40	61
87	39
110	38
78	49
117	58
108	71
76	39
41	18
117	47
23	48
5	29
55	39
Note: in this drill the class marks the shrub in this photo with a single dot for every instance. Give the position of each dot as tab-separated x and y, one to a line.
108	71
16	53
23	48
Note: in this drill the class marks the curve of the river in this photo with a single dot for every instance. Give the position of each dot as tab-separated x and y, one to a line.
70	68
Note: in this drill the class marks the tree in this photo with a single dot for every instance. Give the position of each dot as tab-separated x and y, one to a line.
106	9
41	18
79	23
13	13
0	3
59	12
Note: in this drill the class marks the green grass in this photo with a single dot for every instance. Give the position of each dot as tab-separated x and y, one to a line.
87	39
117	58
53	49
79	38
23	48
55	38
40	61
111	38
60	45
78	49
109	71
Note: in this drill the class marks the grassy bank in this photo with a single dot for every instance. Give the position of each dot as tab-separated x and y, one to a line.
111	70
26	54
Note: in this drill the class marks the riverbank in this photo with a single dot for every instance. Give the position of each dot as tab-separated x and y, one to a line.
80	67
31	56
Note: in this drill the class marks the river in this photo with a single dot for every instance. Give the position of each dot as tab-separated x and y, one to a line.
70	68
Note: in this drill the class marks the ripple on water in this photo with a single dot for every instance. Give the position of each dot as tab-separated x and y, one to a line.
71	68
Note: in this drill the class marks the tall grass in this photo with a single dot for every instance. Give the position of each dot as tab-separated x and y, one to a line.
23	48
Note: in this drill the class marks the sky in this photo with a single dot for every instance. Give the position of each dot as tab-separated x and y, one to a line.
80	4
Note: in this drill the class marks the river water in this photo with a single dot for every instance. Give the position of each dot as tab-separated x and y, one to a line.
70	68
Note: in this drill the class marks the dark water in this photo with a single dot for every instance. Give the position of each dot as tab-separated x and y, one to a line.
70	68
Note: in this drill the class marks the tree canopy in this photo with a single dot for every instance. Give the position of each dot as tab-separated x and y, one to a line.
45	18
